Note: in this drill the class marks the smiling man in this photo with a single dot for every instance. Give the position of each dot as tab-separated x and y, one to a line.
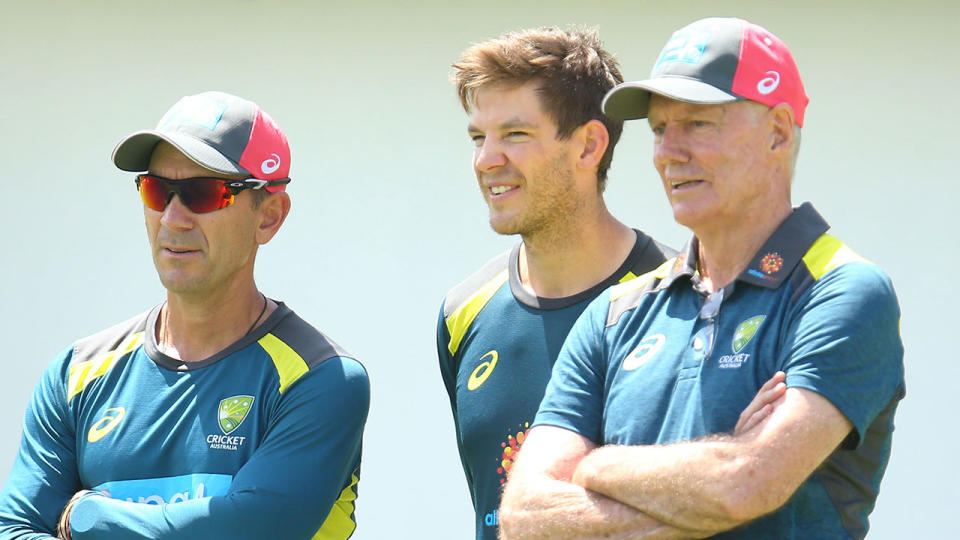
542	148
219	413
637	434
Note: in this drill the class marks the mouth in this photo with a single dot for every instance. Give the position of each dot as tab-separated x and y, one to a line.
178	250
500	190
678	185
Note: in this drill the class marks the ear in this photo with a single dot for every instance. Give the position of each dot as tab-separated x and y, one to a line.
270	216
595	140
781	132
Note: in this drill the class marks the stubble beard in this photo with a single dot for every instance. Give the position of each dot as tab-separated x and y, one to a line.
550	205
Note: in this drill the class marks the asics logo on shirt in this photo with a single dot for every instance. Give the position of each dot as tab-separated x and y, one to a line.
482	371
112	417
647	349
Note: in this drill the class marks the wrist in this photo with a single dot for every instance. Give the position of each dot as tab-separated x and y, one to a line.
63	524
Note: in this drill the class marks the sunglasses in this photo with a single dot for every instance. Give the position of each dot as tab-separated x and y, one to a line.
200	194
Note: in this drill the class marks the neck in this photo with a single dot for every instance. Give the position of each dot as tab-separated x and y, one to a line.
726	251
586	251
194	329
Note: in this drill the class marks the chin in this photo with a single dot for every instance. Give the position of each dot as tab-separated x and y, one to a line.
181	284
504	226
689	217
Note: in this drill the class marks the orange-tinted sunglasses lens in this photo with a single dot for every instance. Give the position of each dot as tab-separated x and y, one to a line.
200	195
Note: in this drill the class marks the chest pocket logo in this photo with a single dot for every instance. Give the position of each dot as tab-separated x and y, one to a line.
647	349
112	417
745	332
232	412
482	371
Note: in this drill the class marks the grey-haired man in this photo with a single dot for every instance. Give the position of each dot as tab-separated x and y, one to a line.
635	436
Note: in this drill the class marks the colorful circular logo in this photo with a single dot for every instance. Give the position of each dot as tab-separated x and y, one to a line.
771	263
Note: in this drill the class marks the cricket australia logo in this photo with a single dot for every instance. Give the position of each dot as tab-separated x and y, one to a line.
741	337
233	410
230	414
746	331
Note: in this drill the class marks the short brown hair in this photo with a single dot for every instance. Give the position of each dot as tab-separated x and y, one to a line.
570	66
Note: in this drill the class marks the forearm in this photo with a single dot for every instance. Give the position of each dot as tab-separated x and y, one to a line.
238	515
15	532
689	486
543	508
714	484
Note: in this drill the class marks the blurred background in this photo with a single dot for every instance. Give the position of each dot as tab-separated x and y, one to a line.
386	214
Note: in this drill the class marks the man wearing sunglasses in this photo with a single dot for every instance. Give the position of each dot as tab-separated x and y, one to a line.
635	436
218	413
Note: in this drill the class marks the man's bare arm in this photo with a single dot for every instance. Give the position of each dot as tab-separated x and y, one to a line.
724	481
541	503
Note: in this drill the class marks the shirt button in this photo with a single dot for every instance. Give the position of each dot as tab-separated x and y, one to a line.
697	344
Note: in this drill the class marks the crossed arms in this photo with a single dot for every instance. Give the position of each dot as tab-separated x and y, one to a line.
565	486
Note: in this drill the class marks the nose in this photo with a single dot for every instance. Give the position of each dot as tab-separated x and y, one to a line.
669	147
176	215
488	156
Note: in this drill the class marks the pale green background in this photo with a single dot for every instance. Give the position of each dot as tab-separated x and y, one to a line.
386	214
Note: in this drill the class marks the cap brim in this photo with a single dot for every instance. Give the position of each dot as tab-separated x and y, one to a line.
134	152
631	100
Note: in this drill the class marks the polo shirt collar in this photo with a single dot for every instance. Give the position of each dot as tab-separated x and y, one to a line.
780	254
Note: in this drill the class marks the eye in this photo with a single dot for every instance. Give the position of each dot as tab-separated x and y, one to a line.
700	123
517	134
477	140
657	130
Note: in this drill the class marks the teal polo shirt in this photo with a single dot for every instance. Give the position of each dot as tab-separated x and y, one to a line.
658	360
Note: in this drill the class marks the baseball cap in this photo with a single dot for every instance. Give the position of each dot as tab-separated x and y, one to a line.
219	131
715	60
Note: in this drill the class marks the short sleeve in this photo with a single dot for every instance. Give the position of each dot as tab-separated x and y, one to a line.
843	342
574	395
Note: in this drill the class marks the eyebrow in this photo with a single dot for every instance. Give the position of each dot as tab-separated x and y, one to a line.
506	125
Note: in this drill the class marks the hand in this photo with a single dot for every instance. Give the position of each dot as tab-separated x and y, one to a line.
63	524
767	398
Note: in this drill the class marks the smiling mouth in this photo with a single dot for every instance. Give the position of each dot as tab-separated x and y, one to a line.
499	190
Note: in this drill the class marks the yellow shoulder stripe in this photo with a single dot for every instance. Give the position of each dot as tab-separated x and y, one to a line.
626	287
827	253
339	525
627	277
290	365
84	373
459	320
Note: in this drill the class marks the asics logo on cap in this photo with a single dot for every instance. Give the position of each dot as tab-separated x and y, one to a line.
271	164
769	84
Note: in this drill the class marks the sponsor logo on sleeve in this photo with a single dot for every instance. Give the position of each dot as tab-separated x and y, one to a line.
482	372
645	352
